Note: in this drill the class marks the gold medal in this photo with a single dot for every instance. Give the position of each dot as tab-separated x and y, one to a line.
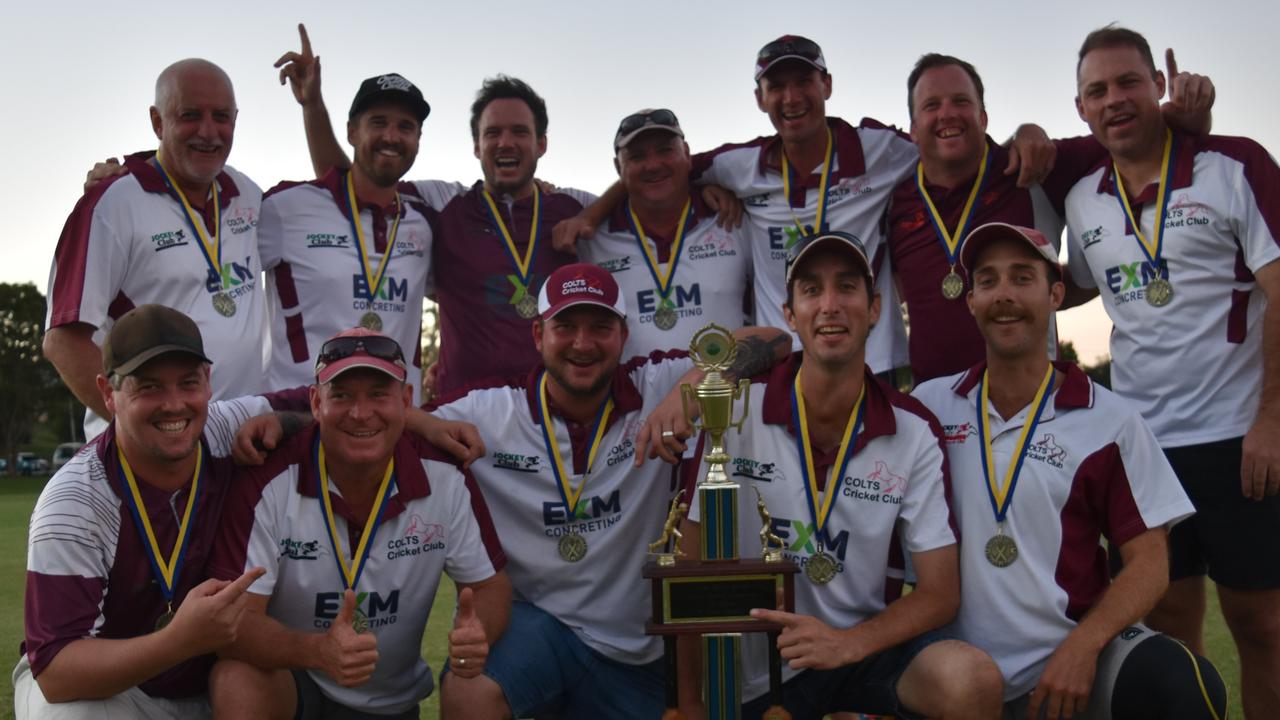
571	547
664	318
360	621
821	568
527	307
952	285
165	618
1159	292
371	321
223	303
1001	550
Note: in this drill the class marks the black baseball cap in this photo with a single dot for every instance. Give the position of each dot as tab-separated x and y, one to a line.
391	87
147	332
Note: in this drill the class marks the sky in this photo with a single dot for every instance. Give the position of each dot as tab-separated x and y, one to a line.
77	78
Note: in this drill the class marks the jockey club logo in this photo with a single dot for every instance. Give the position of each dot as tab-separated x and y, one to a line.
953	434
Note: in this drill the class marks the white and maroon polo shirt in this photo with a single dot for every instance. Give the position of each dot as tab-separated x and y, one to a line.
434	522
893	500
602	597
870	160
710	281
128	243
316	285
88	575
1092	470
1194	367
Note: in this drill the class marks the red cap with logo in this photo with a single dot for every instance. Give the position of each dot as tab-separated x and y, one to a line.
580	284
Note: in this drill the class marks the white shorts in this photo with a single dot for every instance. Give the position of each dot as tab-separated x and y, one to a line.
29	703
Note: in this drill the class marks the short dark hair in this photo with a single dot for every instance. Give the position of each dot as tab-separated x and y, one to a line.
1115	36
502	87
933	60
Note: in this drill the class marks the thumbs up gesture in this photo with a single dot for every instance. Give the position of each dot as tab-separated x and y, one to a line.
347	656
468	645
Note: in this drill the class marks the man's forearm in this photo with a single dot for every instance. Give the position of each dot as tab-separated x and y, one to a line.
493	605
759	348
265	642
78	361
323	145
917	612
1132	594
97	668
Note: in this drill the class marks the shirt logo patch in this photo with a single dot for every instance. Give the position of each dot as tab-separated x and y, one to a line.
881	486
300	549
756	470
717	245
241	220
1094	236
517	462
328	240
166	240
420	537
616	265
953	434
1047	450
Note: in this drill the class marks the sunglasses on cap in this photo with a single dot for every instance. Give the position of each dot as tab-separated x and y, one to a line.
382	348
785	47
632	123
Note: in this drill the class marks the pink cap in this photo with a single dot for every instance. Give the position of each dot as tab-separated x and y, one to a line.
359	348
984	235
580	284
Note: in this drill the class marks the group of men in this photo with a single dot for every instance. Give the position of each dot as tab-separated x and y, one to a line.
879	487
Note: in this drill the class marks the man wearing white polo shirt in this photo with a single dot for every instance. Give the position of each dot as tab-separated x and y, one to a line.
1044	464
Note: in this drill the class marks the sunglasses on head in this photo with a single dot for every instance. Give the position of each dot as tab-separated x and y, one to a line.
383	348
802	47
632	123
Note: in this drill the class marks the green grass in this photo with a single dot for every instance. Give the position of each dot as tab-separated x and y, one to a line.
18	497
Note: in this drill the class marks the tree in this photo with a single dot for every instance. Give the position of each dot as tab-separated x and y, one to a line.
29	385
1101	372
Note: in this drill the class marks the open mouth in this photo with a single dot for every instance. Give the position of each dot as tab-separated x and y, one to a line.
506	163
949	132
171	427
832	330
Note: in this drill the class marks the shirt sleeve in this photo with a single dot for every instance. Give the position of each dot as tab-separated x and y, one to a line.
438	193
1255	212
1144	478
927	521
1077	264
248	531
270	234
91	259
225	419
474	553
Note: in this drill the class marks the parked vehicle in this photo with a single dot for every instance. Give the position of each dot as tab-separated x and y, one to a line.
26	463
63	453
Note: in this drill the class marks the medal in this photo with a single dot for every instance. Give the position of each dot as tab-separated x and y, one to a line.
821	567
527	306
525	302
1159	291
665	317
166	571
953	284
371	321
572	548
1001	550
223	303
372	278
210	247
351	571
824	181
360	621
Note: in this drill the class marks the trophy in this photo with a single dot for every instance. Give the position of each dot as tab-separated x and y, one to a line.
713	595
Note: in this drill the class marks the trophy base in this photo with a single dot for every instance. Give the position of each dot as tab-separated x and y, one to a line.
697	597
665	559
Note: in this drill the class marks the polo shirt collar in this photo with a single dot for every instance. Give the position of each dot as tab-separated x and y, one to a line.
150	179
877	417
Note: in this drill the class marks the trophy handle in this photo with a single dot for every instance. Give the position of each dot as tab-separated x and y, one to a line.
687	396
743	391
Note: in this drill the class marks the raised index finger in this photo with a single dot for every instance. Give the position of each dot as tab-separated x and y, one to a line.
242	583
1170	64
306	41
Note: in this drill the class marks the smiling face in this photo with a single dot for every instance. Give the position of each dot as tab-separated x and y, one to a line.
654	168
832	308
1119	97
1014	296
948	122
385	139
580	347
160	411
508	146
361	414
195	120
794	94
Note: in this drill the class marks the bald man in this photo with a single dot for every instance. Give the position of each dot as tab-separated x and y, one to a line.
176	228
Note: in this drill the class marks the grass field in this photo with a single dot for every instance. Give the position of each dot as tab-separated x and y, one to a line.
18	496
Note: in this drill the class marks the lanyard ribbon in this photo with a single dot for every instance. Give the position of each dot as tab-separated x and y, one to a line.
373	280
351	571
951	242
166	571
210	247
568	493
524	266
662	279
819	219
820	503
1001	497
1155	247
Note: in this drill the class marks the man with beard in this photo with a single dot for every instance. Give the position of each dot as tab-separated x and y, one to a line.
174	227
572	512
354	247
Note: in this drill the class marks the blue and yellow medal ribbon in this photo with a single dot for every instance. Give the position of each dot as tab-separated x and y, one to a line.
951	241
373	280
351	570
1002	496
820	503
568	493
523	265
819	219
166	571
662	279
1154	247
210	247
